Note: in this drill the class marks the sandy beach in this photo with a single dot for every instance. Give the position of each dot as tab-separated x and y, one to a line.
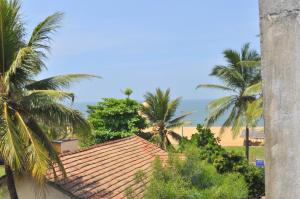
226	138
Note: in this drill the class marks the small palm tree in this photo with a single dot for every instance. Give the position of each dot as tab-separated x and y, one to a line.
160	111
29	107
241	72
128	92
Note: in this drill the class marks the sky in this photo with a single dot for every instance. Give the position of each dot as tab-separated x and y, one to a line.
144	44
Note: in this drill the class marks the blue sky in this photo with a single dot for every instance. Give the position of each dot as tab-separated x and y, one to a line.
144	44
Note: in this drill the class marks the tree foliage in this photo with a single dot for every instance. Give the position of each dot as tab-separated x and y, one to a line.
241	72
160	112
192	178
211	151
114	118
30	107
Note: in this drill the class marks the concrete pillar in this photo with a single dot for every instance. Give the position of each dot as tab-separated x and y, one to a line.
280	44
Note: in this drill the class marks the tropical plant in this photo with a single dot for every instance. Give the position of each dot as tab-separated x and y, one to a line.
128	92
30	106
209	150
114	118
241	72
160	111
192	178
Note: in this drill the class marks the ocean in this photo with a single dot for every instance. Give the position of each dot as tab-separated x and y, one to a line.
197	107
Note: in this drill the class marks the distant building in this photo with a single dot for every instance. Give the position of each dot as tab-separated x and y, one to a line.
102	171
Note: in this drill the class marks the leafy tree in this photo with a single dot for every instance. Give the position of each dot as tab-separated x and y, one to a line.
192	178
29	107
128	92
242	71
211	151
160	111
115	118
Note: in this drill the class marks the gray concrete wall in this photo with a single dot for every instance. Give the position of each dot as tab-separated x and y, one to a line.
280	43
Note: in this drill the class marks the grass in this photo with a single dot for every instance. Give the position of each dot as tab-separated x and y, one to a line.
256	152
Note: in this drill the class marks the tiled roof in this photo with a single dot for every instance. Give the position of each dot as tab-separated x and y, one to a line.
107	170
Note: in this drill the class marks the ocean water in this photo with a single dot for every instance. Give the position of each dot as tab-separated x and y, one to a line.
197	107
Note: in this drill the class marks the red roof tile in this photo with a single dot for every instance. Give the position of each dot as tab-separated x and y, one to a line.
107	170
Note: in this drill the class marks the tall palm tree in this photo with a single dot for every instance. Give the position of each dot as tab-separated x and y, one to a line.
29	107
160	111
241	72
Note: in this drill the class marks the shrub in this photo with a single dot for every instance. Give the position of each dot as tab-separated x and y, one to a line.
192	178
211	151
114	118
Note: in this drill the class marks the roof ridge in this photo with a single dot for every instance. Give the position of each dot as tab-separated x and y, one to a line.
149	143
96	145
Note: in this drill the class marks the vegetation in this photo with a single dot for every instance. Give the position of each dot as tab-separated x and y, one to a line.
2	171
241	72
29	107
114	118
128	92
192	178
256	152
160	111
210	150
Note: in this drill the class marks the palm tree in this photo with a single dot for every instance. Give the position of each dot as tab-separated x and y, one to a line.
30	107
128	92
160	111
241	72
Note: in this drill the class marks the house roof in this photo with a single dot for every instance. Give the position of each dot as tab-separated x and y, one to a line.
106	170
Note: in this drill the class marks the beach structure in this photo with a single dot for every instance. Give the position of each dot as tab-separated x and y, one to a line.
256	137
102	171
280	39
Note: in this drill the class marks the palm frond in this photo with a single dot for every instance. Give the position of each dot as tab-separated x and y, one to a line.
215	86
178	124
178	119
54	114
174	135
46	143
172	107
254	112
218	107
255	89
49	94
58	82
26	64
11	147
40	36
37	159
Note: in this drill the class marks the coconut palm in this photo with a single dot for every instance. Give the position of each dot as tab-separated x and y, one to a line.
30	107
160	111
128	92
241	72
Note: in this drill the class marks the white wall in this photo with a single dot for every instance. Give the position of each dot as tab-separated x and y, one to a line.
28	190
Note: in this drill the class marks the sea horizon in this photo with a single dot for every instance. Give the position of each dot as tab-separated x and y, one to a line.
197	108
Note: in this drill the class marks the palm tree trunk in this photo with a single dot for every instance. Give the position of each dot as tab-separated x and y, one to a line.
163	138
247	142
11	183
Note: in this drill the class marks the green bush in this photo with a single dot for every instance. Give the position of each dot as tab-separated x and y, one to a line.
192	178
113	119
225	162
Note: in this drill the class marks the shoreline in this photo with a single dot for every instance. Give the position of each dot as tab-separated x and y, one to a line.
226	138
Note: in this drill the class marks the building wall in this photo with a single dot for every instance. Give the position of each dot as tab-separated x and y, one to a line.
27	189
280	39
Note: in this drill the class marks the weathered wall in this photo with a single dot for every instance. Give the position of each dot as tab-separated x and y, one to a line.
28	190
280	43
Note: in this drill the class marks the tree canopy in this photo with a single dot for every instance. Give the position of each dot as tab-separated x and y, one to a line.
115	118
